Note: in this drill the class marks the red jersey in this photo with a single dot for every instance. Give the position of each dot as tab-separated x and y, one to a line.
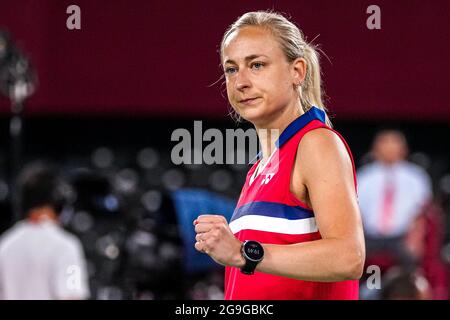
268	212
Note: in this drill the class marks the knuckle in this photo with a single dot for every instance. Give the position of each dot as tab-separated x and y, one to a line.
220	228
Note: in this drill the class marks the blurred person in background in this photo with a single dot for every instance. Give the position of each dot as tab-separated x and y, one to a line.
39	260
392	196
399	284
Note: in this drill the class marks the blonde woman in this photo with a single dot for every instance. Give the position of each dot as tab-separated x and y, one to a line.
296	232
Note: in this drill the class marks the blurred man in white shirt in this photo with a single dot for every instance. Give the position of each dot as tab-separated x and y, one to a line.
392	194
39	260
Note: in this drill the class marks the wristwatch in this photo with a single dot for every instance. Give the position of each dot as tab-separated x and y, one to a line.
253	253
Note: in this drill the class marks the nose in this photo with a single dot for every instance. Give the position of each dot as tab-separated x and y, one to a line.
242	80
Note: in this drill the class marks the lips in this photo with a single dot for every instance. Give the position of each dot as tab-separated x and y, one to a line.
248	100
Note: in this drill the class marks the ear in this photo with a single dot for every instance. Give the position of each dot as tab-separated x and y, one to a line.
298	71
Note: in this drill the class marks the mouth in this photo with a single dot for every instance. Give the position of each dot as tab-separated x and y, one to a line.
248	101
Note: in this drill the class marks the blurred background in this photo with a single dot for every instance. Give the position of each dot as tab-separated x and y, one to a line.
102	102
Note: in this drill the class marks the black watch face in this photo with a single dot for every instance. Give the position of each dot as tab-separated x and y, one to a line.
253	250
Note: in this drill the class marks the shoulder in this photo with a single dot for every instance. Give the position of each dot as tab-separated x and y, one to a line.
414	172
67	242
412	168
322	151
11	236
321	142
322	138
368	170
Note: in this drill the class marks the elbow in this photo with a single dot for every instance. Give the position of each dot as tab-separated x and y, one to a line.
354	266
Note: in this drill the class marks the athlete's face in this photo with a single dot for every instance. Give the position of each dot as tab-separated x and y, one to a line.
260	81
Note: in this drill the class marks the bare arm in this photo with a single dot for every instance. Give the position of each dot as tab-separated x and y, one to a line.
324	168
326	173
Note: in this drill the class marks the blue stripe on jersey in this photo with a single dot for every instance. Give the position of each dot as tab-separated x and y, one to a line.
295	126
272	209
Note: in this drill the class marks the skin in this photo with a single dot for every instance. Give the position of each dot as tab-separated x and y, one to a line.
390	147
43	213
340	254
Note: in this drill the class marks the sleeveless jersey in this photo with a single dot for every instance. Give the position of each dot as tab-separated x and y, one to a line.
268	212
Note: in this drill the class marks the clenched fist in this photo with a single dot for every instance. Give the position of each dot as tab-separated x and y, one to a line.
215	238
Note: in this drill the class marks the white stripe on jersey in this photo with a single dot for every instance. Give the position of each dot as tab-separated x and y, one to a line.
272	224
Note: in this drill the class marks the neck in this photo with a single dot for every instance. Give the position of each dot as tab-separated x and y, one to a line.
42	214
390	163
269	131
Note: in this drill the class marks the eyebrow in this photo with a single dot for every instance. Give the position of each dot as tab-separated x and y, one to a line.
248	58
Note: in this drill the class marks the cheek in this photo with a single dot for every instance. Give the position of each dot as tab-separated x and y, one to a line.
278	87
230	94
228	88
278	93
229	83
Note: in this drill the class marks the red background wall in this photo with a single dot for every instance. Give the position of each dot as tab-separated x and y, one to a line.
158	57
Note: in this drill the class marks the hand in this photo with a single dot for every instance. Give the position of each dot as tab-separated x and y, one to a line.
215	238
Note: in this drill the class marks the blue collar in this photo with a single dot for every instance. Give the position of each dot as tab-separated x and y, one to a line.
295	126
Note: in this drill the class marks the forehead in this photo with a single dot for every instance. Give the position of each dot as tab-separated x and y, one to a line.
248	41
390	137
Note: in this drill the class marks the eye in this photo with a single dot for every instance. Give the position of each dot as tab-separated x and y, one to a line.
257	65
230	70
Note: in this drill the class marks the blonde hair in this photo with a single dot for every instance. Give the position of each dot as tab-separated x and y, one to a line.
294	46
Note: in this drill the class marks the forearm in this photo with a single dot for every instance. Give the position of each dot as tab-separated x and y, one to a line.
322	260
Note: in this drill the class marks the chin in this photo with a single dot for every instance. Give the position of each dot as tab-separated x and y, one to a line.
258	116
253	116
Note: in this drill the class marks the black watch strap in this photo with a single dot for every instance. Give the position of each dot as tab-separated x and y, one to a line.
249	267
